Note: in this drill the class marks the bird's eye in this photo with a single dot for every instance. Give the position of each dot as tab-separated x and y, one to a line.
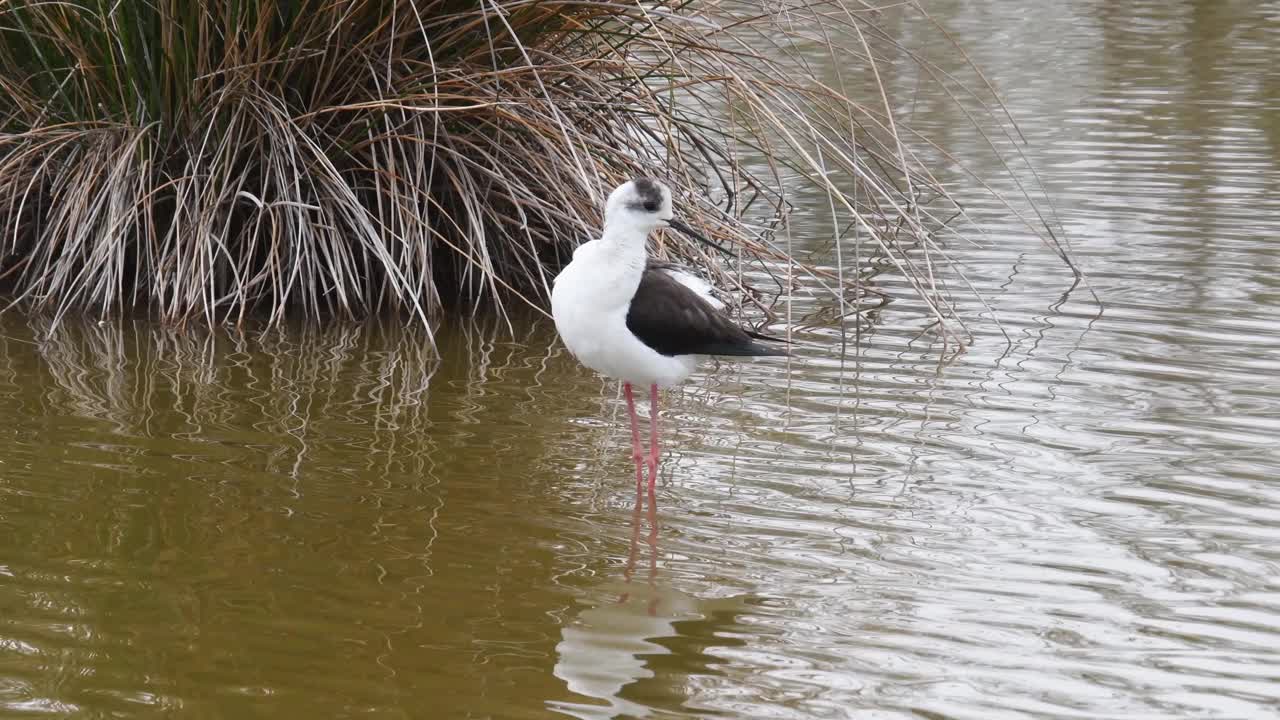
650	206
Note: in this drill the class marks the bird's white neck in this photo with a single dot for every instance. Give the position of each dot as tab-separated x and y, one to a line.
626	243
625	233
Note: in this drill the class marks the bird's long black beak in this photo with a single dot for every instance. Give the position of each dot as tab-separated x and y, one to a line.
686	230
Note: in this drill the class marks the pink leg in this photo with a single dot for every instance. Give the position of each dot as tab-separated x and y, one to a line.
637	452
654	452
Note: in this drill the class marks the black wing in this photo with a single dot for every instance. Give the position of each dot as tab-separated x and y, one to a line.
674	320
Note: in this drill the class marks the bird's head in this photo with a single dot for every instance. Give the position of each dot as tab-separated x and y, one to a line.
644	205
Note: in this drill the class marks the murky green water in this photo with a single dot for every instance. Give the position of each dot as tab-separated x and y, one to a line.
1083	521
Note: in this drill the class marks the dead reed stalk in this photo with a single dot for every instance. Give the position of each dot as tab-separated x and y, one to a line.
216	158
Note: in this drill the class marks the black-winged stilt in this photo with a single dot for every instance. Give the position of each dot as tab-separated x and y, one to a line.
639	321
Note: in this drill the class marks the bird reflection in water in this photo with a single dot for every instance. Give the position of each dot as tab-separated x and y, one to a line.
632	556
607	651
632	651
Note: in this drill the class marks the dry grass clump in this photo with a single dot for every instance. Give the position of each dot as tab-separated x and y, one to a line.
215	158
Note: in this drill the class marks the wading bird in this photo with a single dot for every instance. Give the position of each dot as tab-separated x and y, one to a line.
639	321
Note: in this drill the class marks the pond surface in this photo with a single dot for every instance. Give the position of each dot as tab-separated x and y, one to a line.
1079	521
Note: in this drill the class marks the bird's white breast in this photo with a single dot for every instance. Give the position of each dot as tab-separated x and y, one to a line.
590	301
